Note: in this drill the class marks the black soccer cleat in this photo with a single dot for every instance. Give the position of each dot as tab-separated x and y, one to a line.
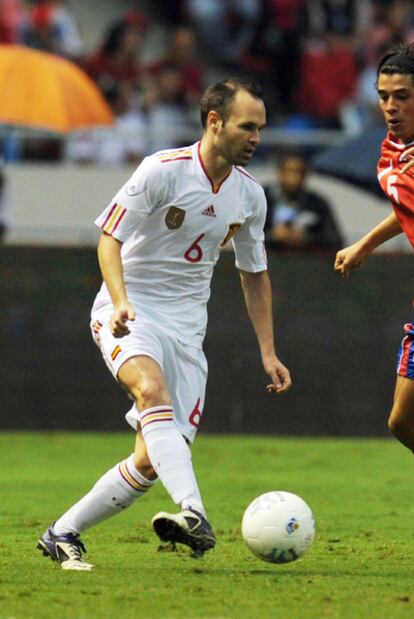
65	549
189	527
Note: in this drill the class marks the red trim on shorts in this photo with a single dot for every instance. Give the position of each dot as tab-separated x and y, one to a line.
405	356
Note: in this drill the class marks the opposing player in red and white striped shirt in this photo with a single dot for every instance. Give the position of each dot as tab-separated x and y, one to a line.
395	85
161	237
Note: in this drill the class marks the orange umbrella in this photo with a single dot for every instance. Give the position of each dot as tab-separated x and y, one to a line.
44	91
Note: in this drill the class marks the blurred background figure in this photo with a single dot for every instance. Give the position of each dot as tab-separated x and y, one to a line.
118	58
124	143
298	218
328	79
12	20
274	54
5	204
169	117
391	23
347	17
225	28
182	56
52	27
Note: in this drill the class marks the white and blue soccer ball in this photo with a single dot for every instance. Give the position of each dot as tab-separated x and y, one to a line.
278	527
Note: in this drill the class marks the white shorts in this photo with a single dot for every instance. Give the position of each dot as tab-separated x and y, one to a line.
184	366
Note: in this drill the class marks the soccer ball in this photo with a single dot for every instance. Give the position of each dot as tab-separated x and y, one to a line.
278	527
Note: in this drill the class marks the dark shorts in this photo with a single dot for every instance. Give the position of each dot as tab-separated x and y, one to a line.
405	361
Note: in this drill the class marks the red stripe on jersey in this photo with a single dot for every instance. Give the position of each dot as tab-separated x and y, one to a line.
174	159
109	215
119	220
396	186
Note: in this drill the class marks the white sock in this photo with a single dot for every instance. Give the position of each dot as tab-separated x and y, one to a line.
170	456
113	492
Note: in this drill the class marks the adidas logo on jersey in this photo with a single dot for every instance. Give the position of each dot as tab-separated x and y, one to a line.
209	211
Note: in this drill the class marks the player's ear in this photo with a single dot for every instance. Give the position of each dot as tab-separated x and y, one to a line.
214	121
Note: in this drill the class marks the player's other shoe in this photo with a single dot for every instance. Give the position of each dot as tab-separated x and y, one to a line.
65	549
189	527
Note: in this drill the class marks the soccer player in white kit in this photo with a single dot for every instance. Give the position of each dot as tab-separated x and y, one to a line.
161	236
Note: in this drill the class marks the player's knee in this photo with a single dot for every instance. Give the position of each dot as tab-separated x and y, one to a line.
397	422
151	392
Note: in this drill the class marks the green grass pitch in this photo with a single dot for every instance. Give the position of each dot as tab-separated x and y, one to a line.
361	564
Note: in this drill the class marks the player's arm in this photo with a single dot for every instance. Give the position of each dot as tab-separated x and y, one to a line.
109	256
258	297
354	255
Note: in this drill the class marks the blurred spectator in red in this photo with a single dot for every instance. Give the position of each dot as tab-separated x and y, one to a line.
328	78
40	32
52	27
182	56
117	60
12	18
225	28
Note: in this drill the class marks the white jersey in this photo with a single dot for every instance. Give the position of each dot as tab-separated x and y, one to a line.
173	222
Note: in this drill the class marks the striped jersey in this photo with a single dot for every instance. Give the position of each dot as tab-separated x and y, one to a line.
398	187
173	222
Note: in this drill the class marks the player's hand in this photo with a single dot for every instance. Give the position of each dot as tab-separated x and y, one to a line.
408	156
279	375
119	319
349	258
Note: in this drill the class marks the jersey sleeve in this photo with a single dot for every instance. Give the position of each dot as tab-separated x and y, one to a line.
135	201
248	243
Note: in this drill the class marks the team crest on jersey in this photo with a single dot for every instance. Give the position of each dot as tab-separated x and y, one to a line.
174	218
233	229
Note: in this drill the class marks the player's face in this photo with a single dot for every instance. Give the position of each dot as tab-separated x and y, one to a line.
238	138
396	93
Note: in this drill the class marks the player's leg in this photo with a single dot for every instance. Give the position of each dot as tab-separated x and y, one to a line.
401	420
166	447
169	453
116	490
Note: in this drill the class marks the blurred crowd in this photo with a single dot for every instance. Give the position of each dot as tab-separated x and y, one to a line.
315	60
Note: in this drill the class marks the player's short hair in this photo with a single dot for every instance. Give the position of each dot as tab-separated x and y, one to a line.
219	96
399	59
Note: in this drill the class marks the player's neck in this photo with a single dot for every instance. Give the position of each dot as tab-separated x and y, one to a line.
216	167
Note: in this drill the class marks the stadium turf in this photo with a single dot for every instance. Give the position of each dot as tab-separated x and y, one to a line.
359	566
